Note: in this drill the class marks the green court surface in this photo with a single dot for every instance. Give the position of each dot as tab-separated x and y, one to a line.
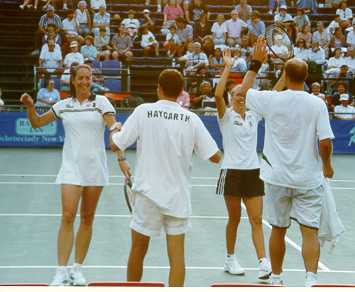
30	215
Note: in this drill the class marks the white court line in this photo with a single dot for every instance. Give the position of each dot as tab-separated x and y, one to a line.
120	176
167	267
107	216
121	184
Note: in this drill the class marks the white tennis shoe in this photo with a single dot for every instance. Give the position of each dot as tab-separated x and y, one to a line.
61	277
264	269
276	279
76	276
232	266
311	279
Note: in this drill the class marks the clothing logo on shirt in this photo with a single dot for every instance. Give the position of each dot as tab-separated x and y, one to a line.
238	123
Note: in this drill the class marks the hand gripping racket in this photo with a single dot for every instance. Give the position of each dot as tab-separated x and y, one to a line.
279	42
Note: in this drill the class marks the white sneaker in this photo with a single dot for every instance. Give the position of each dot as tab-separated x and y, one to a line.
276	279
264	269
61	277
76	276
232	266
311	279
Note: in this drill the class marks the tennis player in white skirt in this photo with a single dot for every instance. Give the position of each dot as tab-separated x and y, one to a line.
239	178
84	171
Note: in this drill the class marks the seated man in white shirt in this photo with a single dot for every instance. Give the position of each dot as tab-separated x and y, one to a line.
74	55
196	60
282	16
344	111
334	63
50	60
317	54
350	60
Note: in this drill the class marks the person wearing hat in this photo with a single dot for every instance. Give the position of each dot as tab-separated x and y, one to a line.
234	27
282	15
121	44
49	18
101	19
196	60
315	90
147	20
344	111
74	55
83	18
88	50
131	24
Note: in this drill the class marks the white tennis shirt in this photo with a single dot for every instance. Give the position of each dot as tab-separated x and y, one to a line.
166	136
239	140
295	121
84	157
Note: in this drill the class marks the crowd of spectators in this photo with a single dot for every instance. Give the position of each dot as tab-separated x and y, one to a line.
194	38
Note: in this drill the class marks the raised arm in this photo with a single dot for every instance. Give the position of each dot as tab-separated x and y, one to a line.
35	119
220	103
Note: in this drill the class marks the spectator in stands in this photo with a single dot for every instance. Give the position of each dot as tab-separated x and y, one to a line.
350	37
306	35
335	62
121	44
2	103
195	60
82	17
71	27
50	60
317	54
350	60
131	24
172	42
202	28
205	97
275	4
216	62
149	42
172	10
74	55
333	24
185	33
89	51
208	45
96	4
315	90
196	10
301	51
307	5
234	27
301	19
49	18
282	15
322	36
244	10
338	39
51	33
219	32
345	14
147	20
239	64
147	2
101	19
102	44
344	111
48	95
341	88
256	26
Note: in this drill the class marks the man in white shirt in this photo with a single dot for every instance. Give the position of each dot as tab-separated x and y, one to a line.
283	16
344	111
74	55
317	54
234	27
296	126
321	35
350	37
167	135
196	60
50	59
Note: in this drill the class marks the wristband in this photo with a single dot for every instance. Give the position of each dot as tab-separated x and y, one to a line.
255	65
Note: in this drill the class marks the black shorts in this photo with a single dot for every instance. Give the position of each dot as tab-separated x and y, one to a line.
240	182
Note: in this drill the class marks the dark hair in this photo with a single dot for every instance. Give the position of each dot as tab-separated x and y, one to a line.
171	82
73	72
296	70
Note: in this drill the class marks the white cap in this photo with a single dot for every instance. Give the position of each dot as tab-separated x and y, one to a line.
146	11
283	7
344	96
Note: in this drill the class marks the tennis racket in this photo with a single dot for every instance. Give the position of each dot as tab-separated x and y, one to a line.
279	42
129	194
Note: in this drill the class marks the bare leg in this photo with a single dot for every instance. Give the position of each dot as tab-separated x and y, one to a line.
89	202
176	253
277	249
139	247
310	248
70	200
234	211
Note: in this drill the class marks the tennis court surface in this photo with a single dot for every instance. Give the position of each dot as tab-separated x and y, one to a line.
30	215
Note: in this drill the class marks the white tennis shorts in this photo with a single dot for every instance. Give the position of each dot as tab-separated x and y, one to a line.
283	203
149	220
